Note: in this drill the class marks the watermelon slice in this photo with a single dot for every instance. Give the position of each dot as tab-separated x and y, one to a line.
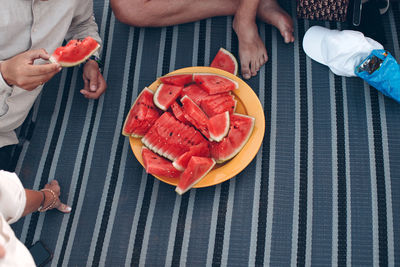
218	126
214	83
195	115
194	92
219	103
166	94
177	79
196	169
171	138
156	165
75	52
239	133
201	150
178	112
142	115
224	60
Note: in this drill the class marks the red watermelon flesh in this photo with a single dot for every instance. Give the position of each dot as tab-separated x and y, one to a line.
163	141
214	83
195	115
142	115
201	150
197	168
218	126
170	138
177	79
157	136
178	112
166	94
156	165
74	52
219	103
194	92
224	60
239	133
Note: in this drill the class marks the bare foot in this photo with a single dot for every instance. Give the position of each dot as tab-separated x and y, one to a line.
270	12
252	52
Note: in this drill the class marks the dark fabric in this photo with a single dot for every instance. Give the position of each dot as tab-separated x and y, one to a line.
6	157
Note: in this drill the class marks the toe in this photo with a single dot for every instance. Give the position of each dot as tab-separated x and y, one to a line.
253	68
245	71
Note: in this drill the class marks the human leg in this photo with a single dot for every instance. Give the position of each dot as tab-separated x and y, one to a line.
252	51
157	13
270	12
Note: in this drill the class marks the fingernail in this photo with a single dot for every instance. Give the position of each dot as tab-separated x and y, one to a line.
68	208
93	87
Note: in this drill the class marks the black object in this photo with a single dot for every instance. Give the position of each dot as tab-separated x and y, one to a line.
5	157
366	18
40	253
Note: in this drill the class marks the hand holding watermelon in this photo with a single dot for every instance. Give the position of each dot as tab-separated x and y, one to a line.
21	71
76	52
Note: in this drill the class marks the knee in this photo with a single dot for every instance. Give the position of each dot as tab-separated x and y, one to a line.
131	12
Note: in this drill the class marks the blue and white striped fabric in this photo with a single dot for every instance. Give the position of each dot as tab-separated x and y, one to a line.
323	190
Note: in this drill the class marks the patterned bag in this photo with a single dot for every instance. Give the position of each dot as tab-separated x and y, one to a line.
334	10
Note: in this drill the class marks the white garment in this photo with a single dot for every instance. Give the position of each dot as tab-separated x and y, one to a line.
12	205
35	24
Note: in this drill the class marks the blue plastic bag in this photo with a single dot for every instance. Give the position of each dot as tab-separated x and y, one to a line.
386	78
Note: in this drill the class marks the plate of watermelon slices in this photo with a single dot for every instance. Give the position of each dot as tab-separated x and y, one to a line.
206	135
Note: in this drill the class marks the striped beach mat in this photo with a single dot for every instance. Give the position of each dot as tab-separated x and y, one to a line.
323	190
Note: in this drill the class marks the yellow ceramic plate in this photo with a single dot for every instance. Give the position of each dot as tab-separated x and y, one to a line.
247	103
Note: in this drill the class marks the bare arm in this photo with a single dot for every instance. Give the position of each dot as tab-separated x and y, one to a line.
44	199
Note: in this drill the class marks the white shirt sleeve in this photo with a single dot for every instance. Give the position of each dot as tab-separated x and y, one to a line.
12	205
12	197
16	253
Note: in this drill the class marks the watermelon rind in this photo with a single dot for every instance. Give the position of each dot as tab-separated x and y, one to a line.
159	91
195	115
157	165
200	150
177	79
213	122
127	117
170	138
225	52
180	190
221	159
53	58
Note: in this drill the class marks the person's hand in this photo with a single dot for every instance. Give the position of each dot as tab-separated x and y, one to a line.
95	85
50	198
20	70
